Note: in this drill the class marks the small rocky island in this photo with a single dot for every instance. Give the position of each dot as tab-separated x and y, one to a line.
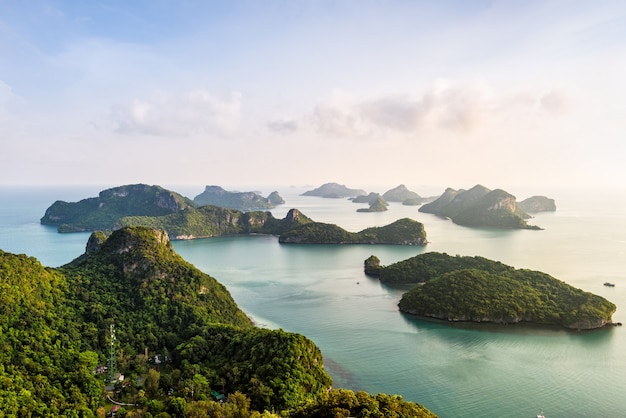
377	205
480	207
476	289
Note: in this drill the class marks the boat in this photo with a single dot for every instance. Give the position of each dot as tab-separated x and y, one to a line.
540	414
609	284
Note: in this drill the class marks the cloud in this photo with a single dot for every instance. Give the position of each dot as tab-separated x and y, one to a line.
555	102
443	107
180	114
283	126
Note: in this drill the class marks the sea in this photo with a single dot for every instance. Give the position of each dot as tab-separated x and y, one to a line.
455	370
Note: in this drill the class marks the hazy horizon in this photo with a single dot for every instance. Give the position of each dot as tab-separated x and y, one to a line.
511	95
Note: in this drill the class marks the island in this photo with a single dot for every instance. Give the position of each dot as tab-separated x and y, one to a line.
244	201
100	213
185	221
377	205
369	198
334	191
131	322
476	289
402	194
535	204
479	207
401	232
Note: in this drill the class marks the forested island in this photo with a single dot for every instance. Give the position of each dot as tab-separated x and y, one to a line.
476	289
480	207
334	191
244	201
130	321
155	207
376	205
401	232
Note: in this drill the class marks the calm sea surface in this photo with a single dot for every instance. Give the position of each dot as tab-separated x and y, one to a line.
456	371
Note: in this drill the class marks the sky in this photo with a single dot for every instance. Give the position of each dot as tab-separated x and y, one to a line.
303	92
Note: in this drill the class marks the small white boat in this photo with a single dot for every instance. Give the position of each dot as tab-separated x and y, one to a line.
540	414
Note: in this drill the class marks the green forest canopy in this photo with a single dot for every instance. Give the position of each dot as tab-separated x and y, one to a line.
181	340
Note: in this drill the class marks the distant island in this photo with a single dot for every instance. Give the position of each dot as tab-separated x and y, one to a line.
476	289
378	202
334	191
244	201
397	194
377	205
401	232
369	198
479	207
537	204
182	220
404	195
101	213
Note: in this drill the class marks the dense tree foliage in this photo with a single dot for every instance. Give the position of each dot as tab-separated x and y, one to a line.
43	369
135	278
346	403
478	289
403	232
210	221
275	368
424	267
183	346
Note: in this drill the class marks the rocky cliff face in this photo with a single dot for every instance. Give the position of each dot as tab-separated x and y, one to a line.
506	203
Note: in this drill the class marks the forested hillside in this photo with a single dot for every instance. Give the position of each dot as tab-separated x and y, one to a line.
182	347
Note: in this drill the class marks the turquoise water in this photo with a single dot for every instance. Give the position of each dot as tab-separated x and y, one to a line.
320	291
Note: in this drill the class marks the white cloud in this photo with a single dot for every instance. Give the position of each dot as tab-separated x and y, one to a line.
181	114
443	107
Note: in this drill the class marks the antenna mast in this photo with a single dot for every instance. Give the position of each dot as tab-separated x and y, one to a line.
112	361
